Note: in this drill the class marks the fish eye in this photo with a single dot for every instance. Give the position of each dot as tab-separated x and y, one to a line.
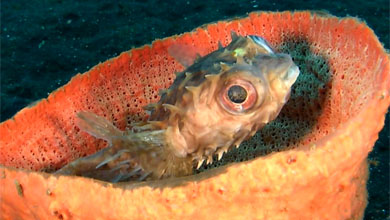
238	96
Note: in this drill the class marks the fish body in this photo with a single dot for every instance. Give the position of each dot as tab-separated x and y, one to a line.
217	102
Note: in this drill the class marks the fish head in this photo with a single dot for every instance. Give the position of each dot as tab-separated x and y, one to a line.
255	60
229	95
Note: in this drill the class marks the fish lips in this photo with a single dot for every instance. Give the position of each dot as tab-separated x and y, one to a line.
279	66
291	75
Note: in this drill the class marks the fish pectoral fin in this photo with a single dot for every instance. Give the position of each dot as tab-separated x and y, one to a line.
97	126
183	53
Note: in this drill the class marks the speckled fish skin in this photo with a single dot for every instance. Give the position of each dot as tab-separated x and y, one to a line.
220	100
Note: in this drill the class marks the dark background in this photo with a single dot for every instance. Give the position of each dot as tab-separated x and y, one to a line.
45	42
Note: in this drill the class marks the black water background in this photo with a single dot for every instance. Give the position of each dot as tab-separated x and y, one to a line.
45	42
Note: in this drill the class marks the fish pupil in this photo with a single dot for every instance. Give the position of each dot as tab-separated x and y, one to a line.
237	94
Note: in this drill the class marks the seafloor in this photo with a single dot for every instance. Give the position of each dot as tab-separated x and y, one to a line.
45	42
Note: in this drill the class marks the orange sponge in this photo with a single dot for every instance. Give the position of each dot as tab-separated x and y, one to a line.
320	142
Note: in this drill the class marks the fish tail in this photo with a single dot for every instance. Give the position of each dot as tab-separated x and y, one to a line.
133	156
101	128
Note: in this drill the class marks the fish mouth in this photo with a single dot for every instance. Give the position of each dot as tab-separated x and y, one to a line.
291	75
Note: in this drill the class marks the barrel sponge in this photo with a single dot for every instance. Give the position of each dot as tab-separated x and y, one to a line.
310	163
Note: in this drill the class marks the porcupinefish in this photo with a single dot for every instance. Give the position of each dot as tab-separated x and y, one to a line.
217	102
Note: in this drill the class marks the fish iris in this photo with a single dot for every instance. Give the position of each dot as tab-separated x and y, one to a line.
237	94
